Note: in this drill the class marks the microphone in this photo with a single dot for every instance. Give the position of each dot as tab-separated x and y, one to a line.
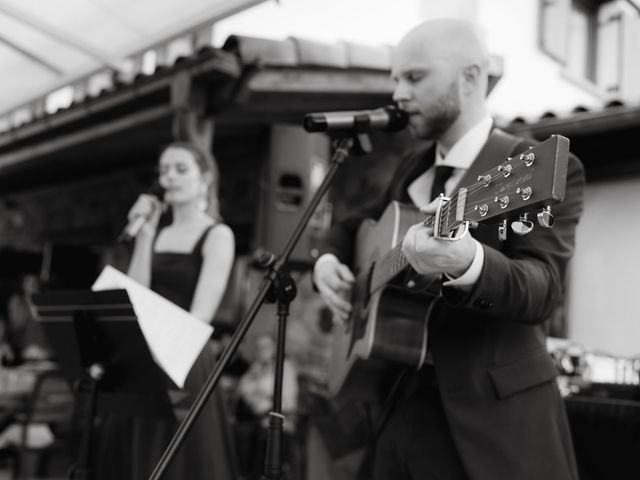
136	223
388	119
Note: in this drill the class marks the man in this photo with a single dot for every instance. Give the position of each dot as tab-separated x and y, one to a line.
486	405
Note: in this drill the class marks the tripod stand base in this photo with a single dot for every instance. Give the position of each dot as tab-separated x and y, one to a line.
80	474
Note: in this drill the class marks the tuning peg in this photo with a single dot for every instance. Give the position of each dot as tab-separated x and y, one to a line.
506	169
524	192
502	230
528	158
522	226
545	218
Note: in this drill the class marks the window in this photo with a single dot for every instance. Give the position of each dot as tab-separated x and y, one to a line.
554	17
618	66
596	41
568	33
581	40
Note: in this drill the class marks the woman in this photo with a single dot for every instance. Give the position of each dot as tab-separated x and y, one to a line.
188	261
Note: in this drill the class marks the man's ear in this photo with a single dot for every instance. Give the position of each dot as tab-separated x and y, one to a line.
471	75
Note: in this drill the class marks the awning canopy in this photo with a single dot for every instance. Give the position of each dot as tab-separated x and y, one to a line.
45	46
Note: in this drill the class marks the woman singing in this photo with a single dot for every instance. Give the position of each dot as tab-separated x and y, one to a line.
186	259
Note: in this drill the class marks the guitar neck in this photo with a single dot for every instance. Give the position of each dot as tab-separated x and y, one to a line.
387	268
395	262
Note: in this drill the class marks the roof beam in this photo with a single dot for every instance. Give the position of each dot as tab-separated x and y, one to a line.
62	37
12	159
34	58
581	124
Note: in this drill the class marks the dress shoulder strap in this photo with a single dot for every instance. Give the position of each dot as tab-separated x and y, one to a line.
197	248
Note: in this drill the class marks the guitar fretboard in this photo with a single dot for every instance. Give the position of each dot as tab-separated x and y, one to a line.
395	261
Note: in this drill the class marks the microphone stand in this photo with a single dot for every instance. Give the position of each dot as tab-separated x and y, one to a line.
279	286
283	291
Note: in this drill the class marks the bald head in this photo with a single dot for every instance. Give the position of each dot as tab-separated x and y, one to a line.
454	41
441	73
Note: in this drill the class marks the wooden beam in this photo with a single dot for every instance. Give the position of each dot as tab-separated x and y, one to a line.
12	159
191	121
297	80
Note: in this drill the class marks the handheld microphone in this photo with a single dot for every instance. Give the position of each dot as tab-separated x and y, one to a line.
136	223
388	119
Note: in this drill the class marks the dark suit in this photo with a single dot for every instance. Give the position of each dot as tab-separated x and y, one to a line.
495	379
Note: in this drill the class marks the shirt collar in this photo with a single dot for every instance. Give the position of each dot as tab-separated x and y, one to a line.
465	150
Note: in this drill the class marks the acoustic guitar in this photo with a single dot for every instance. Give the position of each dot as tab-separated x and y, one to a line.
391	304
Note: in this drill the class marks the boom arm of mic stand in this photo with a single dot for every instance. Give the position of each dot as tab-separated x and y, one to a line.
343	147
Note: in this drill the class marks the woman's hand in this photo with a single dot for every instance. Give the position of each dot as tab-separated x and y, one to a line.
149	207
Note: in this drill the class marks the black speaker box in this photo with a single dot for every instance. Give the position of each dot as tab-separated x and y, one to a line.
296	165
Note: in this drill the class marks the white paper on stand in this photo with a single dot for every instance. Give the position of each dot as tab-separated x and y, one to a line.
174	336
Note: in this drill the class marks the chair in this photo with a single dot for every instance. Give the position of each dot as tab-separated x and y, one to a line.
50	402
8	453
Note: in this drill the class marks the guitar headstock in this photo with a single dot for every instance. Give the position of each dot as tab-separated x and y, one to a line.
531	181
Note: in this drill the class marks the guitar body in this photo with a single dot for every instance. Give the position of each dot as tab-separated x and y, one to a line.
385	327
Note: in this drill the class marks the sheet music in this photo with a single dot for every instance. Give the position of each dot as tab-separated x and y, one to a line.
174	336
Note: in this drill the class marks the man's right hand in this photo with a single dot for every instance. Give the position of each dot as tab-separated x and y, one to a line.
334	281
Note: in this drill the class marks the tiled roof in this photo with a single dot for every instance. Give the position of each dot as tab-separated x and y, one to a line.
612	115
237	54
604	138
355	68
110	122
106	93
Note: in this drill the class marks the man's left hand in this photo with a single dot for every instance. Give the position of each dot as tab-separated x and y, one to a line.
429	255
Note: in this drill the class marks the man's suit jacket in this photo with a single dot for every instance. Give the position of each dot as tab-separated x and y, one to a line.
495	376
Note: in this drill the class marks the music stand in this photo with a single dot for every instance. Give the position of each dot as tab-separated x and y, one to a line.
101	351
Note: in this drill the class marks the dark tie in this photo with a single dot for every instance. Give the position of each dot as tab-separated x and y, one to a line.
440	177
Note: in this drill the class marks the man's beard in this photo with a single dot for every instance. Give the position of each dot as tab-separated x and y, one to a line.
441	115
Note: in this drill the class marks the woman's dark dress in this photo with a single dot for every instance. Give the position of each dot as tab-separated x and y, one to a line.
205	453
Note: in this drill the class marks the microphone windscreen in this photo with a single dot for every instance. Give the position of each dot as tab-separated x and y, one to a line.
398	119
157	191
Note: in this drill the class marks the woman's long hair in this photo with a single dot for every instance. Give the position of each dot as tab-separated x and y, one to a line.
207	163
